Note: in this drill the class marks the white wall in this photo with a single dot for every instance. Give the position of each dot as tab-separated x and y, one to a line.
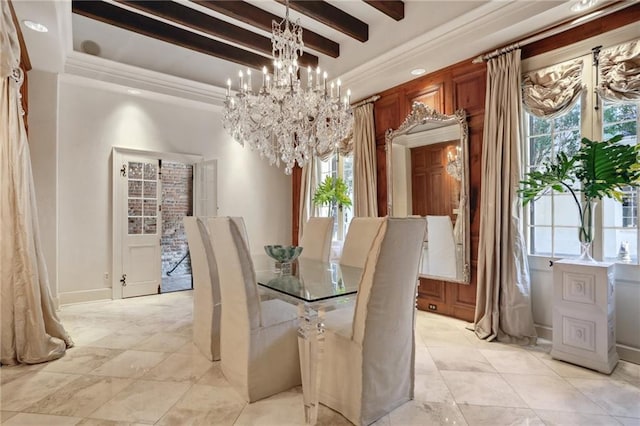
43	115
91	121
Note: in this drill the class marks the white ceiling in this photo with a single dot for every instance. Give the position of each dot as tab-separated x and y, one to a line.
433	35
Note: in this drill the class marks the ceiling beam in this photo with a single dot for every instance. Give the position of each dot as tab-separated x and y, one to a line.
392	8
191	18
252	15
150	27
332	17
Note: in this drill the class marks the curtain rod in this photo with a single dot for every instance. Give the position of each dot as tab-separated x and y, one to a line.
366	101
551	31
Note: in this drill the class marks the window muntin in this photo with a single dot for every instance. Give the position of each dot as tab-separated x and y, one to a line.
142	198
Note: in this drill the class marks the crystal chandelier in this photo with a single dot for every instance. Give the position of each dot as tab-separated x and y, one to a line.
284	121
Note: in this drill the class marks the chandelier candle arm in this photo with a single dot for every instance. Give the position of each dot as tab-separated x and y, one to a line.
284	121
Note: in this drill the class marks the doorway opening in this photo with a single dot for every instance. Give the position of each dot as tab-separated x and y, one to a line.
177	202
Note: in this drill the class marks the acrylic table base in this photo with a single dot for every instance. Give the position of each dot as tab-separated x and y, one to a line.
310	346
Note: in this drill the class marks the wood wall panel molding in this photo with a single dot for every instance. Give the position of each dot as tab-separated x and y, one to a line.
434	290
381	175
387	115
432	96
469	92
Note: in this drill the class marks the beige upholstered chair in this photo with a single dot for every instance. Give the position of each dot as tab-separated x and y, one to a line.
368	362
316	238
259	342
206	289
360	237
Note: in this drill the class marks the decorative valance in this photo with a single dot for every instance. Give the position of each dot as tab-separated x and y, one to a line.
552	91
344	147
619	73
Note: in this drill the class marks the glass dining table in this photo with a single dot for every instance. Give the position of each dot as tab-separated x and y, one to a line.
315	287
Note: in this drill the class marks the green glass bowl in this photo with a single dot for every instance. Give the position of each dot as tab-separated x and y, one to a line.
284	254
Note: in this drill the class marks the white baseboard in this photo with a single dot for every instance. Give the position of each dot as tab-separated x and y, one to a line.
82	296
626	353
544	332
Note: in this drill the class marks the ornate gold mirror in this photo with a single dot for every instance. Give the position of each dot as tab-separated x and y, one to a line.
428	175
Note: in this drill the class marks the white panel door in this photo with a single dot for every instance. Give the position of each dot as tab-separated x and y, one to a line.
141	226
205	188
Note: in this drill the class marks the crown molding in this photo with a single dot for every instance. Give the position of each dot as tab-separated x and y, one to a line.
469	34
148	82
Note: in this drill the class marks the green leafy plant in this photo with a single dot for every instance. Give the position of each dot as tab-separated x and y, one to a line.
598	169
332	192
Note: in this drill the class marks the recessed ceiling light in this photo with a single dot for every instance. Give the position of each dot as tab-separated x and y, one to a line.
133	91
35	26
580	5
418	71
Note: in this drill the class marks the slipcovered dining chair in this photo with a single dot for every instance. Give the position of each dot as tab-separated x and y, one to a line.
316	238
259	343
368	360
206	289
360	236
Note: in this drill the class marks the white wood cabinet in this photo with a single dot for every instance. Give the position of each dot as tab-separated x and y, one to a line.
584	327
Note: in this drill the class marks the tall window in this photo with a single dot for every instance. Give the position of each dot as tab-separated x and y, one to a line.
338	166
620	219
553	218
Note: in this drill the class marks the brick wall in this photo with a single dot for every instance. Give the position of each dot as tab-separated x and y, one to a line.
177	202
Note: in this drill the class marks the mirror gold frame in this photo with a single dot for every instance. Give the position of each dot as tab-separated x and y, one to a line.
425	126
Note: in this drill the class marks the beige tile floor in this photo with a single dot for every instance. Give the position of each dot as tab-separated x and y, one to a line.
134	363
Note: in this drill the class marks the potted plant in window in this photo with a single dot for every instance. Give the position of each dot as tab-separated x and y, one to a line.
598	169
332	192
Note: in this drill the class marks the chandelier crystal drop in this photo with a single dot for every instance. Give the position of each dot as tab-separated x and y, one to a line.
284	120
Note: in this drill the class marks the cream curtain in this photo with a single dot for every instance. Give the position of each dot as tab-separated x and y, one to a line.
620	73
308	183
503	307
364	162
552	91
30	329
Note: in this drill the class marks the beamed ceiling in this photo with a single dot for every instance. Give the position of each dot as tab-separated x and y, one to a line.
226	40
193	46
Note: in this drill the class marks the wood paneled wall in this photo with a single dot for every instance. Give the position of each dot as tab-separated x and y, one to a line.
461	86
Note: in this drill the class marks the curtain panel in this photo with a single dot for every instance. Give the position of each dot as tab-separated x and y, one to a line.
619	73
364	162
552	91
308	183
503	306
30	329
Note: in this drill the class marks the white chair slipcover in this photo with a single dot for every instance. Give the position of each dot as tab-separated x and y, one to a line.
316	239
259	343
368	362
357	244
206	289
441	247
